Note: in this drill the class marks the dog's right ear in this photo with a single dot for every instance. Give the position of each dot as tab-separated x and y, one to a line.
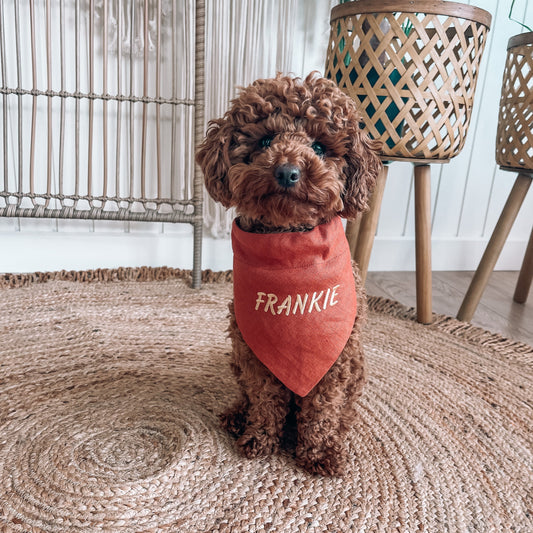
213	157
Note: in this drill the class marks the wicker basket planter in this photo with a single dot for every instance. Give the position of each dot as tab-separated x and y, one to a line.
514	151
413	67
514	138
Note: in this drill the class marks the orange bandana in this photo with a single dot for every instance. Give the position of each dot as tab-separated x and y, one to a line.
295	300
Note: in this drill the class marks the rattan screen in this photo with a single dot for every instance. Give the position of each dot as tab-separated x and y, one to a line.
102	107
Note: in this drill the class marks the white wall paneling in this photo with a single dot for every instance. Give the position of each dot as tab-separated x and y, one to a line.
246	39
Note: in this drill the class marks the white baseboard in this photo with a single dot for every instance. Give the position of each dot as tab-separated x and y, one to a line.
49	251
446	254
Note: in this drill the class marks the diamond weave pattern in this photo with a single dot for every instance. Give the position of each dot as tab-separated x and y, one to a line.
413	76
514	138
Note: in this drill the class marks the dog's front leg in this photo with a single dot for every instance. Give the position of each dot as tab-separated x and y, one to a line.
327	413
258	418
321	447
267	408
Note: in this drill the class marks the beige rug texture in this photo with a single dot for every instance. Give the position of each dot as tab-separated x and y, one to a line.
110	392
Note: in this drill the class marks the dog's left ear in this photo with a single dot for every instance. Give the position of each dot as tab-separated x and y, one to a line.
361	171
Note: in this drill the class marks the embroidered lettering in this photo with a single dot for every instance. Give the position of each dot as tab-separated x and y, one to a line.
334	295
297	303
285	306
300	304
314	302
272	299
326	299
259	300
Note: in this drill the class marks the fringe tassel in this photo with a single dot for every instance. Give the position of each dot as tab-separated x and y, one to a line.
14	281
474	334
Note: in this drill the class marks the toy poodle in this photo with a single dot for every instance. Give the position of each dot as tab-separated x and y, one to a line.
291	157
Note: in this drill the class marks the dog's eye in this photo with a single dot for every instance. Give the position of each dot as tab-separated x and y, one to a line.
319	148
265	141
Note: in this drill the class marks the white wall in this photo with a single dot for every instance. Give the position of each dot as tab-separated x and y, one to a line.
467	194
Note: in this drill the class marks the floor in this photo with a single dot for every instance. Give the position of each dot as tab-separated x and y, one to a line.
497	312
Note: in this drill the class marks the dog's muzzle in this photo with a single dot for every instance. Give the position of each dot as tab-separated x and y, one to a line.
287	175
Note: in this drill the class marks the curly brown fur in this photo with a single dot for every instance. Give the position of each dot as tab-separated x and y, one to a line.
296	114
313	127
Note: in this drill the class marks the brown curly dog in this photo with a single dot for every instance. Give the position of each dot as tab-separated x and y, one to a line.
291	157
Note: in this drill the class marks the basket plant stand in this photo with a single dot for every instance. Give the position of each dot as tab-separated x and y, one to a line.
514	152
412	67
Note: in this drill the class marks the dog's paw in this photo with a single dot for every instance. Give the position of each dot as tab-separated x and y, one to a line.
257	444
234	422
325	461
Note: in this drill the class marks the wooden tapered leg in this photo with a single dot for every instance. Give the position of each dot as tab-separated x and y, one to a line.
494	247
423	243
526	274
369	224
352	232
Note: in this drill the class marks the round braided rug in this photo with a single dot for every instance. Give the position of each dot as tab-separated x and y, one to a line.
109	396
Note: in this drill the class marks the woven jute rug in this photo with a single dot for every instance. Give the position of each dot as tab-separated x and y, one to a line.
110	392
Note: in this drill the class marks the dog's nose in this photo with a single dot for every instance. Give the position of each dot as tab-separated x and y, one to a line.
287	175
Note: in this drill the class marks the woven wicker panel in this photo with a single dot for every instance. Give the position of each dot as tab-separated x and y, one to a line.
92	107
413	74
514	139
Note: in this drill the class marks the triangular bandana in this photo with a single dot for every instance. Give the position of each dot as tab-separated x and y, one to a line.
295	300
